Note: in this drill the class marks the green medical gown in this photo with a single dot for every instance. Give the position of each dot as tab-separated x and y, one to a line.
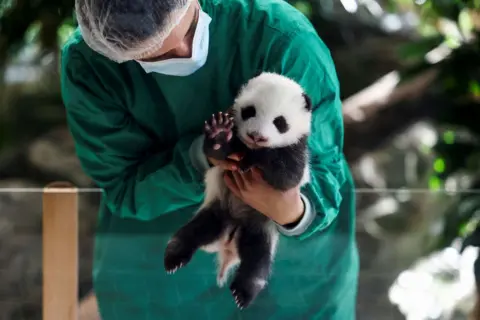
134	132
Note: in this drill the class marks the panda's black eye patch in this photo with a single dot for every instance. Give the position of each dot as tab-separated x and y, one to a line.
281	124
248	112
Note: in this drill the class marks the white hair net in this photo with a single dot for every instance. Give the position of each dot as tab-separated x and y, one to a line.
125	30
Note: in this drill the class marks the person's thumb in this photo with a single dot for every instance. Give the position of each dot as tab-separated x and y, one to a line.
235	156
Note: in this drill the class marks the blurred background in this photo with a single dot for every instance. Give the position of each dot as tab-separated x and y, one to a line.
410	77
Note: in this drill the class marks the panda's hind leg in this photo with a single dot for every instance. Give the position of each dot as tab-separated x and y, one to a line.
254	247
203	229
227	255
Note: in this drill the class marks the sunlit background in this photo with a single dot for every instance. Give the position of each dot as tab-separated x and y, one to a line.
410	77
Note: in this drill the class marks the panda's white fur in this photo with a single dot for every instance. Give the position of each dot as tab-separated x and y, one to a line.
273	95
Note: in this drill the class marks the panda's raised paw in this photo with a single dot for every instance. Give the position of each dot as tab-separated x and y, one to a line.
219	128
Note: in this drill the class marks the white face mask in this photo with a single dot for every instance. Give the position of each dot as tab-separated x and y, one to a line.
186	66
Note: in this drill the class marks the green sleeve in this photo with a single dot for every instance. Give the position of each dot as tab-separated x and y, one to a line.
303	57
140	178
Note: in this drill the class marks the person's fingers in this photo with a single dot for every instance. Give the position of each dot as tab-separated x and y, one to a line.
231	184
235	156
247	178
237	177
226	165
256	174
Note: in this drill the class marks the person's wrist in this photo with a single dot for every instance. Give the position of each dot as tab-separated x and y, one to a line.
295	213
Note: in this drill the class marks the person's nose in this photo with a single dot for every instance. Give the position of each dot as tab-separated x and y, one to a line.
184	50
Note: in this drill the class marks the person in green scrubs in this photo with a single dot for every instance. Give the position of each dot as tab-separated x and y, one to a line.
139	78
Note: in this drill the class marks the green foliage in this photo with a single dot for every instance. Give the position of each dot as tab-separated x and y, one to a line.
456	24
416	50
22	22
451	26
4	6
304	7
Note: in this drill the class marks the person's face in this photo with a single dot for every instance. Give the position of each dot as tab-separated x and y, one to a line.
178	44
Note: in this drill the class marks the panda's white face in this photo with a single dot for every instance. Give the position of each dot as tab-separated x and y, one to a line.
272	111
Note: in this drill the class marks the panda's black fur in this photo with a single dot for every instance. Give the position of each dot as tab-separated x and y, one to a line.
276	111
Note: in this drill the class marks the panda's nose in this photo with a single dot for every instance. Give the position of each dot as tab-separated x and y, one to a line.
256	137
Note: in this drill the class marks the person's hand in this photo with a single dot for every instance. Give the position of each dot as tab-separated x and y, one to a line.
282	207
230	165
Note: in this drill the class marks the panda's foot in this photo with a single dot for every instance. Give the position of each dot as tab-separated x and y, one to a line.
177	255
244	291
219	129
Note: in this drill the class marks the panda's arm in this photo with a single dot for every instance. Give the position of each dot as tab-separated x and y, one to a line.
303	57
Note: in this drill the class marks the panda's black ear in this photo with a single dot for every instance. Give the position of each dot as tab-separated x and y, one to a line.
308	102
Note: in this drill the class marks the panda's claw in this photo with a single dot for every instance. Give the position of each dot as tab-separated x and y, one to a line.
244	292
220	118
207	128
177	255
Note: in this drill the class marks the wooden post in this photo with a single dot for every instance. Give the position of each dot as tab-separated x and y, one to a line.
60	252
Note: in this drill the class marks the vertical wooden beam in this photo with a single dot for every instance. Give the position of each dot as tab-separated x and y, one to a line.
60	252
475	314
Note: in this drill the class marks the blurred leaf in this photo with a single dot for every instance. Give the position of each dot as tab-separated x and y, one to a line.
439	165
449	137
427	29
5	5
391	6
474	88
413	71
434	183
447	8
64	33
304	7
418	49
452	42
427	12
33	32
465	22
425	149
473	4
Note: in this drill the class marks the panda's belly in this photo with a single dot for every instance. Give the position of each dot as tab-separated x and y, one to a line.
217	190
215	187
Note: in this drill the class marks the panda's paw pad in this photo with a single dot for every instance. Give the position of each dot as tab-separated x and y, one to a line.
219	128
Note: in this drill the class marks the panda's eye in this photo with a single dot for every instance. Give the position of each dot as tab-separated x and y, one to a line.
248	112
281	124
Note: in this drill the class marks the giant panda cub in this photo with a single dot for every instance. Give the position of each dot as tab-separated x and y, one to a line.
269	124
